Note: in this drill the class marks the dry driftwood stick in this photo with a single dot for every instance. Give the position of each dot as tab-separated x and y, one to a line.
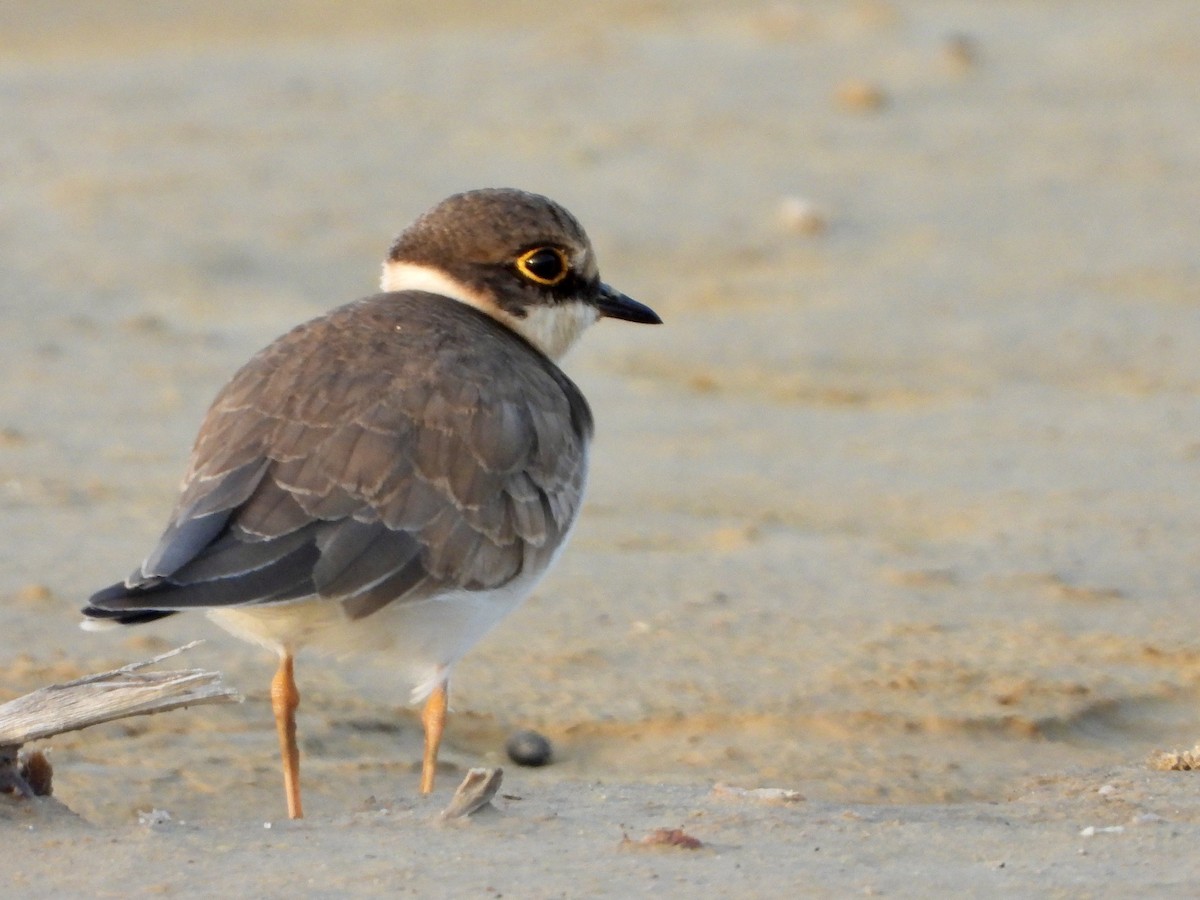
107	696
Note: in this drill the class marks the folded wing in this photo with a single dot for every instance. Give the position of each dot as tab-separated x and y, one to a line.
395	448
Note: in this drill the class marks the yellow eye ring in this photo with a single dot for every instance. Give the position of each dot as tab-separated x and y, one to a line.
546	266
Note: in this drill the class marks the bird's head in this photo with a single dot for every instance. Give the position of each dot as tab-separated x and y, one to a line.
518	257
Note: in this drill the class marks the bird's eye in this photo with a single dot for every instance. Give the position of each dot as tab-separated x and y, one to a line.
544	265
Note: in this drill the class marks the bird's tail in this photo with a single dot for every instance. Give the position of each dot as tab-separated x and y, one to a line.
99	618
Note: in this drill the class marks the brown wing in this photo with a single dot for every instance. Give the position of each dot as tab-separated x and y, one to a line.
393	448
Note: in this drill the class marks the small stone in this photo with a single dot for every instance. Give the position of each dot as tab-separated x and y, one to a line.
11	437
34	594
801	216
528	748
960	53
1147	819
860	96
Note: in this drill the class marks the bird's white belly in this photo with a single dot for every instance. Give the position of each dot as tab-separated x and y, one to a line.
423	639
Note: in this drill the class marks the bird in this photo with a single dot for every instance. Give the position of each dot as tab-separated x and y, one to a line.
394	476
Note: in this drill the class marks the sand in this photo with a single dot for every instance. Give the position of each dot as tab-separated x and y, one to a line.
897	511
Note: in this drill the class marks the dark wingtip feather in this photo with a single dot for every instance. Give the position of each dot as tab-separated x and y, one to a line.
119	617
96	609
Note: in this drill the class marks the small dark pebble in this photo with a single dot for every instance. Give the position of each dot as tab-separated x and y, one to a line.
528	748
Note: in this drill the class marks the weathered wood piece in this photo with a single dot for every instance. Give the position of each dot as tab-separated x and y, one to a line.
103	697
475	792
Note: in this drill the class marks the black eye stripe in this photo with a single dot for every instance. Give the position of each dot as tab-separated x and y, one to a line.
546	266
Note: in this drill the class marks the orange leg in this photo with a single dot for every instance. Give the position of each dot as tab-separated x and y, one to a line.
284	700
433	717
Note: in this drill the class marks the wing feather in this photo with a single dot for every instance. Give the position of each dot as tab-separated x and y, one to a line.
371	456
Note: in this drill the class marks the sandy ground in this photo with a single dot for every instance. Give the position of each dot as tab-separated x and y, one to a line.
897	511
